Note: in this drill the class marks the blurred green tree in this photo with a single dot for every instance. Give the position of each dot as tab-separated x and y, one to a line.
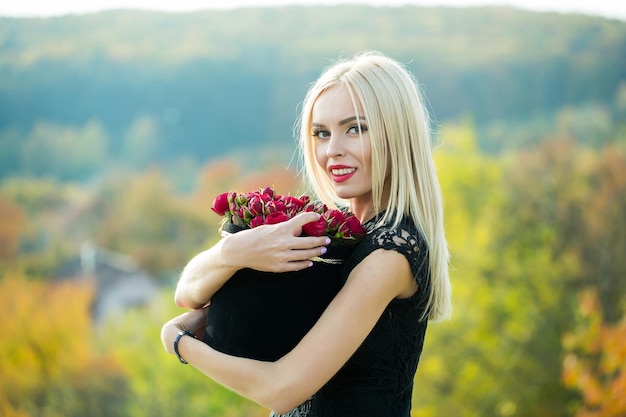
66	153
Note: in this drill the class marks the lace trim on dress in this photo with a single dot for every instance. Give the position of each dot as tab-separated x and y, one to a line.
300	411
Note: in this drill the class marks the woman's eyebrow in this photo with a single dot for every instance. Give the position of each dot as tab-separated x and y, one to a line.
351	119
360	119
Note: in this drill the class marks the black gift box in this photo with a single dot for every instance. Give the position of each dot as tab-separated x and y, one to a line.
263	315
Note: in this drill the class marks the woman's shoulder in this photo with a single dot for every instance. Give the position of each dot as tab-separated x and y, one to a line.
404	238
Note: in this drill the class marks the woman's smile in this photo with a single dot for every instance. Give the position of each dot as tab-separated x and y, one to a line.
341	173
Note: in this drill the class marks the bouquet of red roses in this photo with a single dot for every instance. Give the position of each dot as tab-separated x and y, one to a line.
263	315
253	209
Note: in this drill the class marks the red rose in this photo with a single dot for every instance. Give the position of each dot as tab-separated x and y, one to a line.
276	217
268	192
293	205
317	207
255	205
256	221
355	225
335	218
232	197
343	231
220	204
275	206
316	228
305	199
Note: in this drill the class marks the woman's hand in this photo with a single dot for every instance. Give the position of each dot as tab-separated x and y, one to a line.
192	321
277	247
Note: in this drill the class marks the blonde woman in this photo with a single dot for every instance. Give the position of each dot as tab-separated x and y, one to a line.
365	139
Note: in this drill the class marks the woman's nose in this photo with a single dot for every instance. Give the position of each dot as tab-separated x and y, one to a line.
335	146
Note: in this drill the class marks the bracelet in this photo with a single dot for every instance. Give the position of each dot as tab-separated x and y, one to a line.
181	334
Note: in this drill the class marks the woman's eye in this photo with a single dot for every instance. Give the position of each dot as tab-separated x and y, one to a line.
357	129
321	134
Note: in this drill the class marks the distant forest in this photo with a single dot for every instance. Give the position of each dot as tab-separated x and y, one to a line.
147	87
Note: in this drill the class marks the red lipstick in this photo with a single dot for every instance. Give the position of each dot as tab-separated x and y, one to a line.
341	173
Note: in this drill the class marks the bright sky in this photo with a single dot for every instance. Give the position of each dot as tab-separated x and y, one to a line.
607	8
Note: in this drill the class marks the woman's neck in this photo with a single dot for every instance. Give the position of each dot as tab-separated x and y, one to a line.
363	208
363	211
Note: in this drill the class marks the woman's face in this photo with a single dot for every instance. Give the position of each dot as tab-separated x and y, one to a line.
337	129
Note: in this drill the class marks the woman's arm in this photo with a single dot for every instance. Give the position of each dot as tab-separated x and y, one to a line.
271	248
288	382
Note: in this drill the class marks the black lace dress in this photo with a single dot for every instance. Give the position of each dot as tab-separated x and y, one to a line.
377	381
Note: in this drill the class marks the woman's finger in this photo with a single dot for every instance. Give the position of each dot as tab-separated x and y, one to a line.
311	242
296	223
306	242
295	266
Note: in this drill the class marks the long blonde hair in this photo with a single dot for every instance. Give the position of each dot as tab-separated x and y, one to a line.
400	137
